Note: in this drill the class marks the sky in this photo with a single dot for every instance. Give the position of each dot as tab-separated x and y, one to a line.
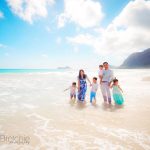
75	33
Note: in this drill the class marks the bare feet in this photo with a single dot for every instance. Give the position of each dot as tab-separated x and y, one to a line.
94	102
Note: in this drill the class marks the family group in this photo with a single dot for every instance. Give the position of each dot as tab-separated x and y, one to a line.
107	82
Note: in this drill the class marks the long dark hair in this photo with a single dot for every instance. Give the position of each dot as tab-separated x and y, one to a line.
84	75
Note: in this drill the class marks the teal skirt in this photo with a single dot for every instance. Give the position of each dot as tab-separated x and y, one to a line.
118	98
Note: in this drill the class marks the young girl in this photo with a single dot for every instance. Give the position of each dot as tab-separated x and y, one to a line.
73	90
117	93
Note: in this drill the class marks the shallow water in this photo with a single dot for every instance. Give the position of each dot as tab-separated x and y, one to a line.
34	105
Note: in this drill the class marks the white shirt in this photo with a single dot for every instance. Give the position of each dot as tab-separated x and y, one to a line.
73	90
94	87
107	75
100	72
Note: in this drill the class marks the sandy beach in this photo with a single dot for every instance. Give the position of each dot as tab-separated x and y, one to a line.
34	105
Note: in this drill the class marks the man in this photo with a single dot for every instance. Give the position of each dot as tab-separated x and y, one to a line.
107	78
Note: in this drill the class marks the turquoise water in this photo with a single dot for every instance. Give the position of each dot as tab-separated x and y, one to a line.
29	70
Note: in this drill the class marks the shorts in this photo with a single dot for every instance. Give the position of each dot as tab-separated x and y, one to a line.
73	95
92	96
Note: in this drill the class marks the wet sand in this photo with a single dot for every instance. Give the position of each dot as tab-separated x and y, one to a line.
35	105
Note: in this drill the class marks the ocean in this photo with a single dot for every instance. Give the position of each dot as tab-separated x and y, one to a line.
36	113
29	70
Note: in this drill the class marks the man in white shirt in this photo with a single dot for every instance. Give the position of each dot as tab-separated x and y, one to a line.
107	78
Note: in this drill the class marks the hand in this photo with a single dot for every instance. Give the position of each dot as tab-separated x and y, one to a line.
78	89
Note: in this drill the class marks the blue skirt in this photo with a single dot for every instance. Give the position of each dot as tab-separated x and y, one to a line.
83	88
118	98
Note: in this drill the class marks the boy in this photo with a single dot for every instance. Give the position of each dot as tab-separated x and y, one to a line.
73	89
94	88
100	73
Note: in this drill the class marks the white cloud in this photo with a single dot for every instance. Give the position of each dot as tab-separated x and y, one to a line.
85	13
62	19
1	14
127	33
136	13
86	39
44	55
29	9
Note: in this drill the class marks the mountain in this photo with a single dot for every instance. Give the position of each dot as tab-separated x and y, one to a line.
64	68
138	60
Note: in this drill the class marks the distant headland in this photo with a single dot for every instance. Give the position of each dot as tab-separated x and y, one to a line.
137	60
64	68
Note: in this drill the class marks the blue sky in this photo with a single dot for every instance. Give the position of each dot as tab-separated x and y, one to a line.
32	39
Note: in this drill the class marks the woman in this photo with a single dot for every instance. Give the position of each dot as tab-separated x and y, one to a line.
82	85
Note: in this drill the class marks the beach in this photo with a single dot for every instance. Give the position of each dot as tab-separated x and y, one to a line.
34	105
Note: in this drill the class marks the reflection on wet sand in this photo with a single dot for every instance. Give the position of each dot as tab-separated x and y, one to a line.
110	107
81	105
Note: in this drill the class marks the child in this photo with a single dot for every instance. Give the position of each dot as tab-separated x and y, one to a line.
94	87
117	93
100	72
73	89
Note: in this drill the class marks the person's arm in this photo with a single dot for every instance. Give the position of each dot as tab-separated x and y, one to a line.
100	78
97	87
89	80
120	88
111	78
66	89
78	85
111	85
99	75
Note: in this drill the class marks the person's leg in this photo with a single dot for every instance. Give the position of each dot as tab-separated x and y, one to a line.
71	96
94	97
84	89
91	97
83	95
108	93
80	94
103	90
